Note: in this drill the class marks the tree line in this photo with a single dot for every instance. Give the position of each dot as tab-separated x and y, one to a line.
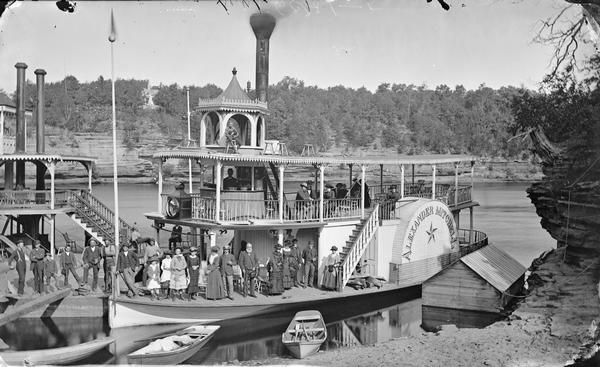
407	119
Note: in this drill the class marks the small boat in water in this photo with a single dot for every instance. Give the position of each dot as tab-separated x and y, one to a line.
305	334
54	356
174	348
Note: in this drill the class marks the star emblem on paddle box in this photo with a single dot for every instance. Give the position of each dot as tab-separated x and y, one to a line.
431	233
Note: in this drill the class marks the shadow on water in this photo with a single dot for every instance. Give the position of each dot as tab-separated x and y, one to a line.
377	319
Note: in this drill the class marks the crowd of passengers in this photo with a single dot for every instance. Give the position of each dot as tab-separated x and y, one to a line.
171	273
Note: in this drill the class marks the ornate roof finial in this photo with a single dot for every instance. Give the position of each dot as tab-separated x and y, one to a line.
234	71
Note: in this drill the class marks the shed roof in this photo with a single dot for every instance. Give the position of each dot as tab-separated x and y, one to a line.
495	266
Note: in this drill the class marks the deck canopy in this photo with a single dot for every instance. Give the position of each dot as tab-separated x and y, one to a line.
206	155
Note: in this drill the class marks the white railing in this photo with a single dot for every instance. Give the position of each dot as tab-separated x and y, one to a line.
341	208
204	208
216	102
39	199
359	246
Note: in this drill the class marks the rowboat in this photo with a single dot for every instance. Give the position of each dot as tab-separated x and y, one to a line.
55	356
305	334
174	348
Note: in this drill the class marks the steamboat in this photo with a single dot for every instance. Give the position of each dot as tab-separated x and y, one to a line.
402	238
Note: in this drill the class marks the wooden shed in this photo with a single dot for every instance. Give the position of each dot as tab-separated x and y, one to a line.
484	280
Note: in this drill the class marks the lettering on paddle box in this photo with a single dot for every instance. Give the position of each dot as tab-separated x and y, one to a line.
430	232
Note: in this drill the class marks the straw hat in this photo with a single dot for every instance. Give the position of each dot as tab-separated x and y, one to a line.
334	248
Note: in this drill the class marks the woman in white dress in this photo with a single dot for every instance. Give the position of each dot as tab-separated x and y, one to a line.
153	277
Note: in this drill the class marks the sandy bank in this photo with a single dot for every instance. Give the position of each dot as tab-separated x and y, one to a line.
547	329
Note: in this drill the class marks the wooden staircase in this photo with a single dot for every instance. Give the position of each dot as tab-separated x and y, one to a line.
96	218
357	244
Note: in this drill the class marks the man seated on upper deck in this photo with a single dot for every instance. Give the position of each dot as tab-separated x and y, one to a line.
230	182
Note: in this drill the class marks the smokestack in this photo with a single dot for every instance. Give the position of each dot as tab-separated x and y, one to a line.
20	138
262	24
20	135
39	111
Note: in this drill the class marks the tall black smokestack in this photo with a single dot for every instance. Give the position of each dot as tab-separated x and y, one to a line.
20	135
39	111
262	24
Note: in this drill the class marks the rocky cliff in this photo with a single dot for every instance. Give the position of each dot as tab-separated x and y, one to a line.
568	197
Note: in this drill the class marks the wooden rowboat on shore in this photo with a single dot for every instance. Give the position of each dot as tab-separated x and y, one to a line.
54	356
305	334
174	348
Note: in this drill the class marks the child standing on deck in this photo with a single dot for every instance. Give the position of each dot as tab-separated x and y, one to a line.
49	271
153	277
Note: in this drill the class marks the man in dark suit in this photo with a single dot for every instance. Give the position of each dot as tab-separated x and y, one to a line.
248	262
18	256
92	255
37	266
127	266
309	258
67	264
226	263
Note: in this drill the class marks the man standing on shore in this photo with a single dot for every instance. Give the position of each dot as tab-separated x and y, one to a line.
309	258
248	263
67	264
37	266
18	256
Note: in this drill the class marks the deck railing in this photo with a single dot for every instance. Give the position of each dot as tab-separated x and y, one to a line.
356	251
34	199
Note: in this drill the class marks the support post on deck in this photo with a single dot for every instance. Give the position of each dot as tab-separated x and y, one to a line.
218	182
160	184
190	169
52	234
280	236
433	182
89	169
194	237
455	184
350	166
280	188
402	181
413	174
472	173
2	133
252	178
52	170
381	178
213	239
362	191
321	191
470	224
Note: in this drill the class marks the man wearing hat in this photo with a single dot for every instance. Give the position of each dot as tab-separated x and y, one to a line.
295	262
67	264
226	263
91	259
331	269
18	256
37	266
275	268
249	264
127	266
303	201
109	253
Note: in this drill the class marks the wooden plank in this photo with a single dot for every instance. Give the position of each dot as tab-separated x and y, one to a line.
19	310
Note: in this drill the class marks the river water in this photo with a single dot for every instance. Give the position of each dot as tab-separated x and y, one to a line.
505	214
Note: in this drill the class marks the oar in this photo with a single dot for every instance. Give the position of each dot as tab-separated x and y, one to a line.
179	333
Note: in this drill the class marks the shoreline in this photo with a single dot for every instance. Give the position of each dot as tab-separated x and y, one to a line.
553	326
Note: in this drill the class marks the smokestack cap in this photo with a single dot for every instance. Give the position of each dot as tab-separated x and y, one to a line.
262	24
21	65
234	71
39	72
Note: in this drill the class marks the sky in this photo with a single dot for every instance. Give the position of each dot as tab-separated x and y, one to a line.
354	43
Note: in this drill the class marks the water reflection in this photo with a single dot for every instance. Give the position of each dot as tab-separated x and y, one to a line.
360	323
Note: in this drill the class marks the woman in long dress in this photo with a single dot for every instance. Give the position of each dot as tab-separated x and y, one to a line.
165	276
193	265
331	269
288	281
214	286
275	268
178	281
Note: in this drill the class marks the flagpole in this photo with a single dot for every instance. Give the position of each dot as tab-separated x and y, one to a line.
187	89
112	38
